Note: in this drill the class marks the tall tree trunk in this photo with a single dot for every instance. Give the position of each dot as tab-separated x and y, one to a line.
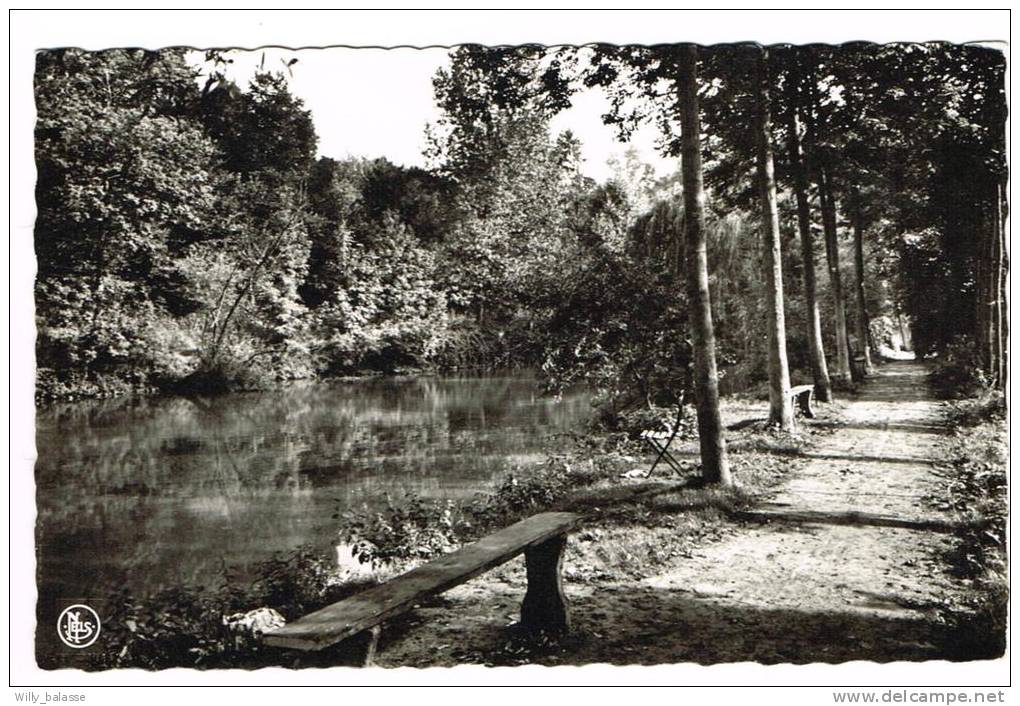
906	344
780	404
798	161
835	276
1002	274
982	280
995	281
988	289
828	206
714	463
863	335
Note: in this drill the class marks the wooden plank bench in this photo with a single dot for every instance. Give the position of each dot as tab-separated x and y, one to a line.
802	394
541	538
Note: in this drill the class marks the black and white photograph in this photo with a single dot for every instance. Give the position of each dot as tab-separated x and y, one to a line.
364	356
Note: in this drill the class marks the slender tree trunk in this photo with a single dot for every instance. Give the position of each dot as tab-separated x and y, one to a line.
988	289
816	347
828	206
835	276
994	279
714	462
982	278
780	405
905	343
270	251
1002	284
863	337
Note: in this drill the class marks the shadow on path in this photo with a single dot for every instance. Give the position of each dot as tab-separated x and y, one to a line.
679	625
880	426
860	458
641	625
778	513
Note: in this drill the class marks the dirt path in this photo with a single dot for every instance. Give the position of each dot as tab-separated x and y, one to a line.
844	563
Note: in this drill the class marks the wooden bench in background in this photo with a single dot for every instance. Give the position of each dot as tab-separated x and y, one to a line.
541	538
802	394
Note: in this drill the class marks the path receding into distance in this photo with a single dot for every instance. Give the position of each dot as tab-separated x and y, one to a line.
845	562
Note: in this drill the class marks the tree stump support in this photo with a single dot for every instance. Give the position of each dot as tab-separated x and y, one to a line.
373	644
545	607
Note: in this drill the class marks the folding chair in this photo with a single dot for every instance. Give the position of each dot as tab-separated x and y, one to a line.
655	440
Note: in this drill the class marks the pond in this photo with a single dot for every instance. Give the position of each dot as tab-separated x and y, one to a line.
151	493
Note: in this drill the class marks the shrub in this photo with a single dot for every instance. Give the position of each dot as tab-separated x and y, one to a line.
184	626
518	495
225	374
976	487
464	343
989	406
883	331
415	529
957	372
619	326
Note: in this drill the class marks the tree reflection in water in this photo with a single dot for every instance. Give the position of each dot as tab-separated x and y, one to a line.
155	492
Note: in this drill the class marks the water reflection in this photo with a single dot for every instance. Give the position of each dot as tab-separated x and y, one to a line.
155	492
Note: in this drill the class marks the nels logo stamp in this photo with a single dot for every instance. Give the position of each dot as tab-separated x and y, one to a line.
78	626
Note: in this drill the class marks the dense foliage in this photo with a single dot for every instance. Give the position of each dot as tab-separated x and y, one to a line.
973	485
189	237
